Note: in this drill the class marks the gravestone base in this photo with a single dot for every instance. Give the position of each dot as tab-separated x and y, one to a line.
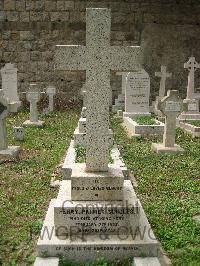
95	217
10	152
134	129
134	115
103	186
28	123
89	247
160	148
70	160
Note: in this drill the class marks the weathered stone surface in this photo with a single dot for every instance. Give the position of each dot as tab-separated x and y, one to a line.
87	247
95	217
96	185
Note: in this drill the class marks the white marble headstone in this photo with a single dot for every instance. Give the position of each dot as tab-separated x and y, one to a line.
9	85
137	94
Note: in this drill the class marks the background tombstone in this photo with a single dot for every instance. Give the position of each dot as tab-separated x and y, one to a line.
163	75
120	100
137	94
9	86
51	92
33	96
192	98
171	106
162	90
18	133
5	150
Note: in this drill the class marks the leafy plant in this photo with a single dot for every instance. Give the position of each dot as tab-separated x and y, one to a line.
145	120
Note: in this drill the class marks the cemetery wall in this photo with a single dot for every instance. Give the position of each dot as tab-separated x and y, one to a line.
168	31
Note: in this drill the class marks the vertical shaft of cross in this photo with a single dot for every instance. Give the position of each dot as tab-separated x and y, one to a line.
50	103
190	89
163	75
98	89
169	132
33	111
3	134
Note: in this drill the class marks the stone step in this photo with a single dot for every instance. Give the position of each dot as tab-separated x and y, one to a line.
46	261
149	261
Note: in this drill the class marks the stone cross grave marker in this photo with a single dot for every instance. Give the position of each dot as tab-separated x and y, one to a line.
3	115
192	66
51	92
171	106
9	86
5	150
98	57
33	97
163	75
137	94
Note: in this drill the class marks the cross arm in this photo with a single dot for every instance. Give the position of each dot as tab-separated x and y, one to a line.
70	57
125	58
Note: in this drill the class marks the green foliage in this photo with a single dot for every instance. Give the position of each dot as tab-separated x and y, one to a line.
145	120
80	153
98	262
25	184
168	186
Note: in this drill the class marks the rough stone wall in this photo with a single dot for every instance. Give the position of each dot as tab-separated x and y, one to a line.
168	31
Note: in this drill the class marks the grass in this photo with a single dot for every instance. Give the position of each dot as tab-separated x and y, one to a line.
25	185
145	120
168	187
194	123
99	262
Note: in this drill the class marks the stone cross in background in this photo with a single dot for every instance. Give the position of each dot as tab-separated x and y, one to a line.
33	96
5	150
163	75
9	86
51	92
191	102
171	106
97	58
192	66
